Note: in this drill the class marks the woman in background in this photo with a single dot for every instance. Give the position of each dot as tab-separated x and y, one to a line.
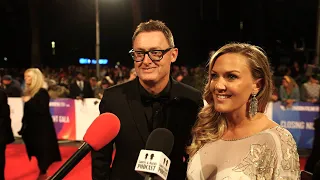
289	91
38	132
233	138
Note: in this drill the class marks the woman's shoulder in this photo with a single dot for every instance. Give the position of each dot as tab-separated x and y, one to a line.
42	92
281	136
279	130
286	150
43	89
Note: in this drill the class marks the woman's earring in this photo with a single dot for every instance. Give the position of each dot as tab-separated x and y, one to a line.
253	105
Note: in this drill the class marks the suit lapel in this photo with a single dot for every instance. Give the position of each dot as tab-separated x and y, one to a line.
172	106
175	91
137	110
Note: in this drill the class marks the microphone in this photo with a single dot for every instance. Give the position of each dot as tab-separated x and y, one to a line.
101	132
153	162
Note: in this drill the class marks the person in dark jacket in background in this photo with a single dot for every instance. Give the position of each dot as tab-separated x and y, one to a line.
6	135
11	86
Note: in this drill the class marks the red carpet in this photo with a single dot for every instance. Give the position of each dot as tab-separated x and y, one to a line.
19	167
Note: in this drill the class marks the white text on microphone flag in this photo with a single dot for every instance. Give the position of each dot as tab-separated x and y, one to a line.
153	162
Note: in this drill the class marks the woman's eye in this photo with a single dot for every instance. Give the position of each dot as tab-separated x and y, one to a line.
214	76
232	76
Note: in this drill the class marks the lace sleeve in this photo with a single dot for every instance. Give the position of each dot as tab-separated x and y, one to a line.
287	166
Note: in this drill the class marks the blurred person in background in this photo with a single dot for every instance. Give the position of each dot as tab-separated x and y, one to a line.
11	86
289	91
46	82
93	83
275	93
310	90
186	77
37	131
296	72
133	75
6	135
102	85
81	88
57	91
64	82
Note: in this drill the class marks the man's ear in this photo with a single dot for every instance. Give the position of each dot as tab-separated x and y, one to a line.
174	54
257	85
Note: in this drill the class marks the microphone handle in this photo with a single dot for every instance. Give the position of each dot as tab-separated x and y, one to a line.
82	151
148	177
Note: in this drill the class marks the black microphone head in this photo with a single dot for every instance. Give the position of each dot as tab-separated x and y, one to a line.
160	139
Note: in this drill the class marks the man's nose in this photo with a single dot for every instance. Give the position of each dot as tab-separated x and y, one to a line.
146	59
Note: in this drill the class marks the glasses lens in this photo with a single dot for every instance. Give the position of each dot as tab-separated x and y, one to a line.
137	55
155	55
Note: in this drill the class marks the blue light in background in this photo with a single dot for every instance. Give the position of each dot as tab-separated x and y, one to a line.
92	61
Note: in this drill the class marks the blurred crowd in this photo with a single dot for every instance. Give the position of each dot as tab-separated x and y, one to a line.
82	82
292	83
296	83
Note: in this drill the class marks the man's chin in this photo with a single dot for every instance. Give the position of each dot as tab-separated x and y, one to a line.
148	80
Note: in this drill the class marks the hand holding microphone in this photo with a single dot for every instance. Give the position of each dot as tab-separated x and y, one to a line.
153	162
101	132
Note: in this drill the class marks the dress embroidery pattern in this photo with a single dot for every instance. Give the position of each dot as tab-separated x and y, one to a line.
271	155
290	156
259	163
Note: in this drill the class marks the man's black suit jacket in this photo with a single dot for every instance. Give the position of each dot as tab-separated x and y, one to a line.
125	102
76	91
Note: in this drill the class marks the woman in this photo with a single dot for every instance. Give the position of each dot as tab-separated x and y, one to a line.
6	135
289	91
38	132
310	90
232	138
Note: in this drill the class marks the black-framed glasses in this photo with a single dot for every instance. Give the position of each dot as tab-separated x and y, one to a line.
154	55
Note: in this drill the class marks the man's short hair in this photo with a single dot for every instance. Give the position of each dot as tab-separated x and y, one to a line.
7	77
93	78
154	25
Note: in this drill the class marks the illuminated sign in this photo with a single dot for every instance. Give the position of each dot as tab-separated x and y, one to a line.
92	61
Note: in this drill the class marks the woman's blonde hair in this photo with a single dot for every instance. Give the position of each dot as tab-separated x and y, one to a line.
36	84
291	83
211	124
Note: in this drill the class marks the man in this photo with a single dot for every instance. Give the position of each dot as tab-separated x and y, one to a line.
6	135
11	86
93	83
80	88
152	100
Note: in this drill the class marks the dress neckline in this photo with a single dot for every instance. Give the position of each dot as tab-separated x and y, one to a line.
237	139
